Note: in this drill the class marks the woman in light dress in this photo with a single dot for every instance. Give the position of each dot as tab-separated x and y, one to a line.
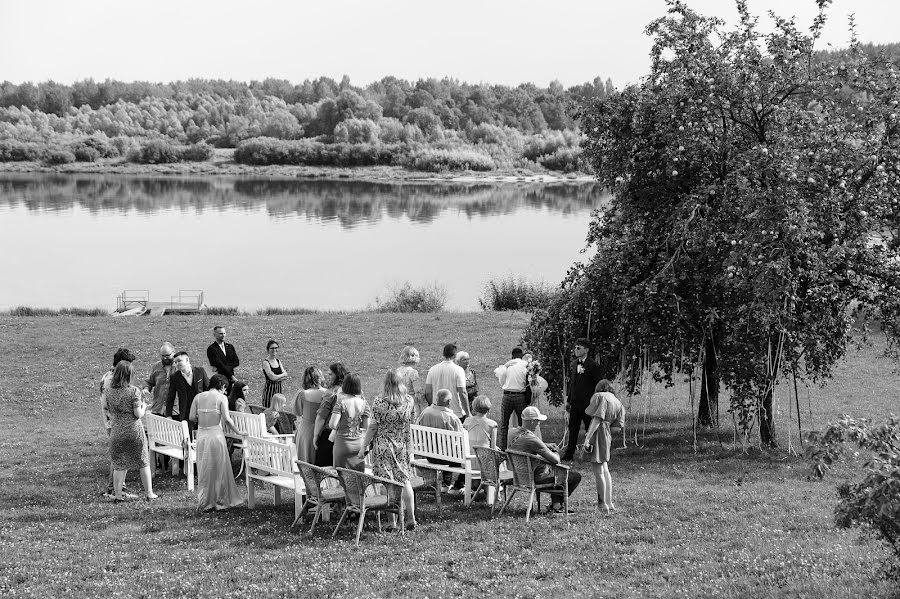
607	415
306	404
409	378
216	487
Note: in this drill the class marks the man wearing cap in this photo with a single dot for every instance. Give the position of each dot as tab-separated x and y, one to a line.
525	440
585	375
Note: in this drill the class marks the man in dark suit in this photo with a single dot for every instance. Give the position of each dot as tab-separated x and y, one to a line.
185	384
582	381
222	356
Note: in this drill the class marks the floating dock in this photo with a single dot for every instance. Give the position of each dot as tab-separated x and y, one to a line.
137	302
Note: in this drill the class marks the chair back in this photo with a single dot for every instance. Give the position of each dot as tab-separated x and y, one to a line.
269	456
256	409
312	478
428	442
522	467
252	424
165	431
489	461
355	484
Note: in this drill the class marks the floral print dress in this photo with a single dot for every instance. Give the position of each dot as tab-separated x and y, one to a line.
390	449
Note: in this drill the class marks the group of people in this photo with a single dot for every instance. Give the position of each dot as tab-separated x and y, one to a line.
334	425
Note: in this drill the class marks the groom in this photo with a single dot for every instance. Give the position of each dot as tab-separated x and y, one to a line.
583	379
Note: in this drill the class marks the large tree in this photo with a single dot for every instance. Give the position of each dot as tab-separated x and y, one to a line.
754	212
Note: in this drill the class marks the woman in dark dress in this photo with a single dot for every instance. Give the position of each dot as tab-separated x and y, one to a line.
323	446
127	440
274	372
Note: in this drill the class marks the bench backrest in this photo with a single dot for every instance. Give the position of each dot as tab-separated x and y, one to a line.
165	431
270	456
428	442
252	424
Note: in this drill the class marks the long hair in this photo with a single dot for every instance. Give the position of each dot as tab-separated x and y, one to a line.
313	378
237	392
122	374
352	385
394	389
340	373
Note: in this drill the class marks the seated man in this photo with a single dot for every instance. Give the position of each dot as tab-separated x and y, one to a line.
439	415
523	439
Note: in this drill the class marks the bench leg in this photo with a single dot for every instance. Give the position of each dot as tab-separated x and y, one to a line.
153	457
277	494
467	490
251	492
189	470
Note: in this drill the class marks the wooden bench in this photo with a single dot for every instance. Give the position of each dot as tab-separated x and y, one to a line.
170	437
272	462
253	425
449	446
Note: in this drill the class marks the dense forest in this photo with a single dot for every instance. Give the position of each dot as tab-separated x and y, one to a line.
429	124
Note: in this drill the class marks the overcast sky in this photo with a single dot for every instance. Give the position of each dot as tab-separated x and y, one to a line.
496	41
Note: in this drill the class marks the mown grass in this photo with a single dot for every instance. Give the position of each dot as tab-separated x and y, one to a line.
718	522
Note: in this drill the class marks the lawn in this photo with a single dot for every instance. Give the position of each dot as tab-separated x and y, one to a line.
718	522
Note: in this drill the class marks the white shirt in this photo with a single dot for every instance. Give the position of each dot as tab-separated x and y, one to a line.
222	347
516	374
448	375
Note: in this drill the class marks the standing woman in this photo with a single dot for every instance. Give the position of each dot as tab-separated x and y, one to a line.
322	444
127	440
389	436
349	419
306	403
216	488
462	359
409	376
607	414
274	372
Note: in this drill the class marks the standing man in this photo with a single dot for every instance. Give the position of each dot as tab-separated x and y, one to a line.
158	380
583	379
513	377
449	375
185	384
105	382
222	356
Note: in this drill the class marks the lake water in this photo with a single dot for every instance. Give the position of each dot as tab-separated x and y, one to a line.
80	240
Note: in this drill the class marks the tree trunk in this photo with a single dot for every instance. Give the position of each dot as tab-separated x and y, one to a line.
766	412
708	410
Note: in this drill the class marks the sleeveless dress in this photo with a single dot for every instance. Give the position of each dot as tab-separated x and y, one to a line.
272	387
215	486
127	440
325	452
352	410
390	449
307	404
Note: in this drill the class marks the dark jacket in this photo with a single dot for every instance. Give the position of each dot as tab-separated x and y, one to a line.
226	364
581	385
179	386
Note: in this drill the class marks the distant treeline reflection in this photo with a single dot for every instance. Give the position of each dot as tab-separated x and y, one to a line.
349	202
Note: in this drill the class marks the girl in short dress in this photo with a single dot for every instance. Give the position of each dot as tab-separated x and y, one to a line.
607	414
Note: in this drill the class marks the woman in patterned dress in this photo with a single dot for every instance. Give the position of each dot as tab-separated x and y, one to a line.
273	371
349	420
389	436
127	440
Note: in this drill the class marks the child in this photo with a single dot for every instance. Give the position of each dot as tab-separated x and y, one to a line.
278	422
607	414
482	430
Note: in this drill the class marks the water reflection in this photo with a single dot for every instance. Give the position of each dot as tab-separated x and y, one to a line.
350	203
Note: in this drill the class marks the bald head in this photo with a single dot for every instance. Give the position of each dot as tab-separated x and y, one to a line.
166	353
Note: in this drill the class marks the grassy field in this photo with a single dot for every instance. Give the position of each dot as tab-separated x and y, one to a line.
719	522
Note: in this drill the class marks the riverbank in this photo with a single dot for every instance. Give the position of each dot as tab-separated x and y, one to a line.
709	523
223	164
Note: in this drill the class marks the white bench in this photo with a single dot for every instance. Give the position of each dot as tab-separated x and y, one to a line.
253	425
450	446
272	462
170	437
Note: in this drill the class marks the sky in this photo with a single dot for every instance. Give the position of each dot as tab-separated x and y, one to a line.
492	41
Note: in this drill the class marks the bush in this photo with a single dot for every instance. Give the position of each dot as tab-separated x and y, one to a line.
278	311
549	142
514	293
357	131
451	160
266	150
200	152
156	151
406	298
566	160
83	152
222	311
59	157
873	502
12	150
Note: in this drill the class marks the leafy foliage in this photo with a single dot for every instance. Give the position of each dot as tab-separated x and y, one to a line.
746	194
407	298
873	502
513	293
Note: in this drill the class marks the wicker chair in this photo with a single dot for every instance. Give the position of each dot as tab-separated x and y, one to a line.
317	496
359	502
489	461
523	465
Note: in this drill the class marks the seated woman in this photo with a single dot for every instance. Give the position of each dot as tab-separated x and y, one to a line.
278	422
238	398
215	487
349	420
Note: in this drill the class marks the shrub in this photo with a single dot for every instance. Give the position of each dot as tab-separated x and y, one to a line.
406	298
156	151
222	311
567	160
357	131
279	311
873	502
83	152
266	150
514	293
59	157
549	142
12	150
196	152
451	160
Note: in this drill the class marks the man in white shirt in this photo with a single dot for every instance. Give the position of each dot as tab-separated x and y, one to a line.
513	377
449	375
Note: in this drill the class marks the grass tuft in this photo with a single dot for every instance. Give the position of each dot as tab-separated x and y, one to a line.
405	298
30	311
514	293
